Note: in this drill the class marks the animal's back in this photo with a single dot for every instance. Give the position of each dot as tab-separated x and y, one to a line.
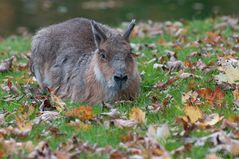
57	48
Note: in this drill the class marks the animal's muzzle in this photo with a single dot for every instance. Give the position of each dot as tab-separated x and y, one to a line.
120	80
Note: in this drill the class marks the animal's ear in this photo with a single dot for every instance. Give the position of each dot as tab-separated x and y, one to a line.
99	35
129	30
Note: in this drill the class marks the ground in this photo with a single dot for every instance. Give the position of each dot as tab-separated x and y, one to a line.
187	107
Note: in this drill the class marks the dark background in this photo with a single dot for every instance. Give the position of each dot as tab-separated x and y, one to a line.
29	15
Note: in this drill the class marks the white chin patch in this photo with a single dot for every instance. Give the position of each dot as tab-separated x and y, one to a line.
98	75
108	85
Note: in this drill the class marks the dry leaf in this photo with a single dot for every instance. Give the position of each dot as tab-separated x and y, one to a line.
190	96
46	116
23	124
231	74
58	103
114	113
209	120
137	115
121	123
83	112
6	64
79	124
214	97
193	112
160	132
212	156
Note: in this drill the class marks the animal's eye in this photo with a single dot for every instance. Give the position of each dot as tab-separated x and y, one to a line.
102	55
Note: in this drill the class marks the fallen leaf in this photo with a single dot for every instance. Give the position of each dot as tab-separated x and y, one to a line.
80	125
214	97
83	112
212	38
190	96
231	122
6	64
137	115
114	113
160	132
193	112
58	103
121	123
212	156
23	124
209	120
236	93
46	116
182	149
230	76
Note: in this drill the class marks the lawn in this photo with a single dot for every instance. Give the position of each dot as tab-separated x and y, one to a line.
186	95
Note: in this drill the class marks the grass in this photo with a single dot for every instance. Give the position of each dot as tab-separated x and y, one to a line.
98	133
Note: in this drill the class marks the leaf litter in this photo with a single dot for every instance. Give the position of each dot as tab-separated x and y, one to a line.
201	106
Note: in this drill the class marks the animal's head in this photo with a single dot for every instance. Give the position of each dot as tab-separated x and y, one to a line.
115	64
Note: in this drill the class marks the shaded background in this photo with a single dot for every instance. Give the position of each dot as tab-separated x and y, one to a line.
17	16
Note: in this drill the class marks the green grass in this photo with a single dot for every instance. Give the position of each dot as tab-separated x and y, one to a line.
98	133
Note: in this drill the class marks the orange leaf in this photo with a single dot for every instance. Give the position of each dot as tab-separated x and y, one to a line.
137	115
212	38
83	112
213	97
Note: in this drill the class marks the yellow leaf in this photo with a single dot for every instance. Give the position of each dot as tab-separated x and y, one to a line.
58	103
231	74
23	124
137	115
193	112
236	94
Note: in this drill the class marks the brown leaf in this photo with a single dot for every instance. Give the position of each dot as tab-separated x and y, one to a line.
23	124
6	65
58	103
212	38
214	97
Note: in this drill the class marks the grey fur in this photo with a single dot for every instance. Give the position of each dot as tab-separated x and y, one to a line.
62	53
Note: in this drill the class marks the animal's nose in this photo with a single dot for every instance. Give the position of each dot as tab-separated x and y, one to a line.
120	78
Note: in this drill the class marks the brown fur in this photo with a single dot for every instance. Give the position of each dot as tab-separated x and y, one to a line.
82	60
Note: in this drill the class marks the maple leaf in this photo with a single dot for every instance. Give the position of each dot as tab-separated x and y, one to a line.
230	76
83	112
193	112
214	97
137	115
212	38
